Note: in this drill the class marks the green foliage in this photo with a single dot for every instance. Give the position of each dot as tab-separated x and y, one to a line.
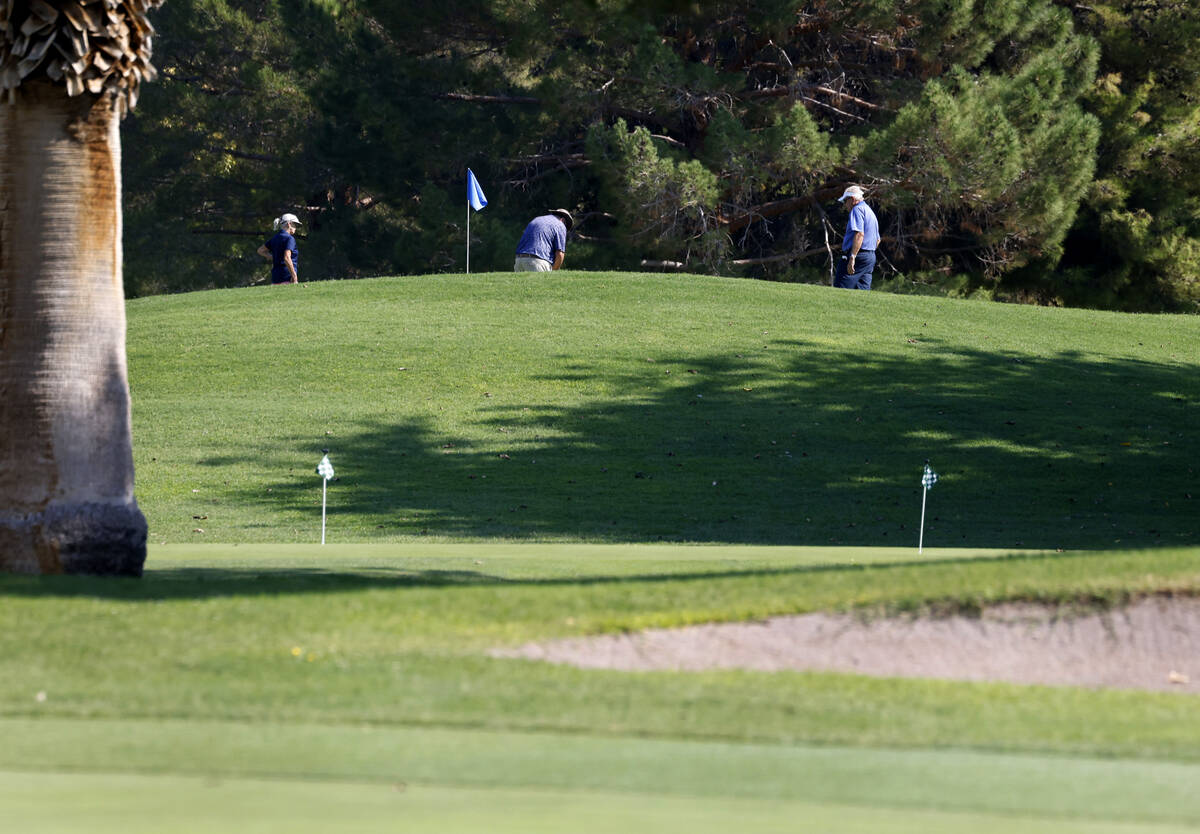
798	148
1137	242
740	127
262	108
964	119
670	205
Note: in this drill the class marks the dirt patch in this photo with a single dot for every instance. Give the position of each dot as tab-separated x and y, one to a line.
1151	644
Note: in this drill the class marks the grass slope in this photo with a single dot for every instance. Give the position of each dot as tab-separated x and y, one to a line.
617	407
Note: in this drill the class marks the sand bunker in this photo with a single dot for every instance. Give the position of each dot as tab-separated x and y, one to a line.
1151	644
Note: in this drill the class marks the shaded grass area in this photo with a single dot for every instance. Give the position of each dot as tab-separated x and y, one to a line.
606	407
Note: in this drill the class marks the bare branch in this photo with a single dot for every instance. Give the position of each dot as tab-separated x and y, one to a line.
254	157
778	207
472	98
773	259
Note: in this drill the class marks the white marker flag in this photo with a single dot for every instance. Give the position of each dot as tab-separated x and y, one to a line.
928	479
325	470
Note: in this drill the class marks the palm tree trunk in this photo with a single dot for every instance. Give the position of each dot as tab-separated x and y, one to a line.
66	453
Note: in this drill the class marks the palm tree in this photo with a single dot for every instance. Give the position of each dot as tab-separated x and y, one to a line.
68	71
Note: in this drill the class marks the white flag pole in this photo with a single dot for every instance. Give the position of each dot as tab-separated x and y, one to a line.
928	479
921	538
475	200
325	470
324	491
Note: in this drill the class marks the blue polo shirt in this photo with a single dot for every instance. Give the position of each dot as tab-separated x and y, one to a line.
861	219
543	237
283	242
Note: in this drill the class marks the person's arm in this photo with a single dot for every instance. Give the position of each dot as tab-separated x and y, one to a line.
291	267
854	247
264	251
559	257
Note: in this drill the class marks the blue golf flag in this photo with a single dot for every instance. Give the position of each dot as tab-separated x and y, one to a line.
474	193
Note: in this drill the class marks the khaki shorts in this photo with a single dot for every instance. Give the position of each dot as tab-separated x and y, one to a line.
528	263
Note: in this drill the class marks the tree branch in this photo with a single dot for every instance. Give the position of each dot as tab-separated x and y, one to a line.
254	157
771	259
777	207
783	90
473	98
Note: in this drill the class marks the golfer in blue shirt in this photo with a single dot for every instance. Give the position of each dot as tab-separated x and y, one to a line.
543	246
858	244
282	251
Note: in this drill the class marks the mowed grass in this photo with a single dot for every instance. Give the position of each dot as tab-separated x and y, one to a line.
523	459
633	408
338	674
397	635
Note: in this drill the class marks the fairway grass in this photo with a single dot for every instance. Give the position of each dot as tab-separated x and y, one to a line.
389	638
319	679
208	775
151	804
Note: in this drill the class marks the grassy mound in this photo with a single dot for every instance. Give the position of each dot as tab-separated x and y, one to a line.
616	407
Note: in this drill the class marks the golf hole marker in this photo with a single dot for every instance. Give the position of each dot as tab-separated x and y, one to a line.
325	470
928	479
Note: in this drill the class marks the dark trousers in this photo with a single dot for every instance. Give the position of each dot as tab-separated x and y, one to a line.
860	278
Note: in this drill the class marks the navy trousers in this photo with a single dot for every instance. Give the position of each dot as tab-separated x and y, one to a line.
860	278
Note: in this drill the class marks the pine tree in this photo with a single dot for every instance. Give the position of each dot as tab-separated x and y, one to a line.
1136	245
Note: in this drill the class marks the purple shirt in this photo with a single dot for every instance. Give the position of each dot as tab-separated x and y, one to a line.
543	237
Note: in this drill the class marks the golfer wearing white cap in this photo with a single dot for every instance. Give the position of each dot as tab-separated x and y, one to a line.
858	244
282	251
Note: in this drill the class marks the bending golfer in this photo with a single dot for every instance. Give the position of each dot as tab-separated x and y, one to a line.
282	251
543	246
858	244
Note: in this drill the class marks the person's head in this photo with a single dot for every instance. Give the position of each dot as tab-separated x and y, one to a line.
854	194
565	217
287	223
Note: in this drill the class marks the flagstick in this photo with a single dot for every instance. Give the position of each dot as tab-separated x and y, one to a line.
921	538
468	237
324	491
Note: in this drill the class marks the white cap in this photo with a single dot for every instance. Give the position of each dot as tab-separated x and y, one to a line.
286	218
565	217
853	191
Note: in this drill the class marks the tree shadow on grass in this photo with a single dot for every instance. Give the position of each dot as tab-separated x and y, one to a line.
1074	451
163	584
